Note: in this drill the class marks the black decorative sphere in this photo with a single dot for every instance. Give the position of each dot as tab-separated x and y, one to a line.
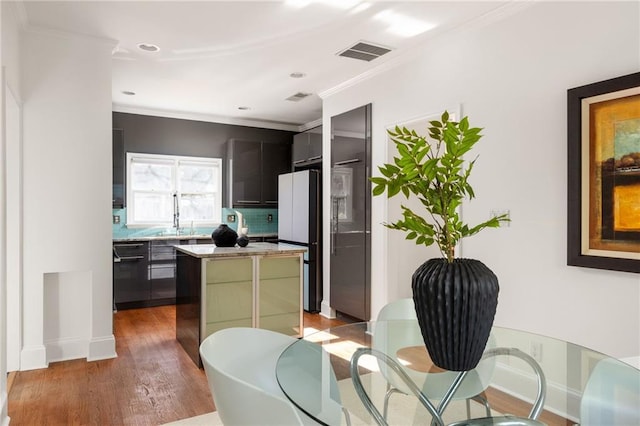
243	240
455	304
223	236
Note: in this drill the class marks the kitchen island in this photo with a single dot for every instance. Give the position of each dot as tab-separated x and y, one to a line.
219	287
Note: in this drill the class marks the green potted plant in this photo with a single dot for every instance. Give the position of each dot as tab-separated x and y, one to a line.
455	298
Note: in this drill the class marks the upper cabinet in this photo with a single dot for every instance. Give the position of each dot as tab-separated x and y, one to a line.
276	160
307	147
253	169
118	188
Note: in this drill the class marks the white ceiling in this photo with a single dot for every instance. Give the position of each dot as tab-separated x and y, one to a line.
216	56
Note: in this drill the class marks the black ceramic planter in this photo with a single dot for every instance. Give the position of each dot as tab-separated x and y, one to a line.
455	304
243	240
223	236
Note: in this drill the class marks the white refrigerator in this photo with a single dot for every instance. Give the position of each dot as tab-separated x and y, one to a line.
299	222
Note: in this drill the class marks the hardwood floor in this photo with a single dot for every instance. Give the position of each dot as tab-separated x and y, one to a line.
151	382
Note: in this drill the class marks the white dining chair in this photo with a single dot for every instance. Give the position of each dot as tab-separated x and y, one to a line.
240	364
433	385
612	395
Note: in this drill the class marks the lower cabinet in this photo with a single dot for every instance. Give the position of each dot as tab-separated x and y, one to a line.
144	273
130	272
263	291
229	294
233	284
278	295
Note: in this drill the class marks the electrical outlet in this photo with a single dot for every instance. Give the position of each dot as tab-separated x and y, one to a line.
269	218
536	351
116	219
231	218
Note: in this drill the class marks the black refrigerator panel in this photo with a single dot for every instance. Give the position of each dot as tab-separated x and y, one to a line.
312	280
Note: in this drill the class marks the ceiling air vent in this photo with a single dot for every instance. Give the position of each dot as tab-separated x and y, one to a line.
298	97
364	51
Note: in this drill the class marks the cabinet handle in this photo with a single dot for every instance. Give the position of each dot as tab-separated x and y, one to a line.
342	163
248	201
122	258
317	157
129	245
299	161
271	202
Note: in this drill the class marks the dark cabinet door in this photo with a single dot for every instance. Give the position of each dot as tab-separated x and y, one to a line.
350	239
246	173
307	148
315	146
276	160
118	188
163	269
254	170
131	272
300	152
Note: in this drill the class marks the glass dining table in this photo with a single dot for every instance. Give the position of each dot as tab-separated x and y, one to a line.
381	373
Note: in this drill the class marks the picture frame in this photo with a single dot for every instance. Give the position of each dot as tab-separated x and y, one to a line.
603	138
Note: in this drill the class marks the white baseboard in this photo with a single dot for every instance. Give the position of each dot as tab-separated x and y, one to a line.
33	357
523	385
326	310
66	349
102	348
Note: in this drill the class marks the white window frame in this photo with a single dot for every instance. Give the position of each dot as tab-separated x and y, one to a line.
174	161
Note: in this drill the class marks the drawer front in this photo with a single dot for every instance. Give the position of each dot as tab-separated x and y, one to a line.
230	301
229	270
130	249
163	250
279	267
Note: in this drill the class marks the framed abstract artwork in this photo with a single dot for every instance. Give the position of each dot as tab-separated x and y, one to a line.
603	223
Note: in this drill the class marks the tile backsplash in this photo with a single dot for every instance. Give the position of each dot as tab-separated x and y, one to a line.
256	219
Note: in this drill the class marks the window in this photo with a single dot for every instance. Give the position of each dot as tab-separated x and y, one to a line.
159	186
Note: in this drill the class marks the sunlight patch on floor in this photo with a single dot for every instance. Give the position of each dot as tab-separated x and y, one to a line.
313	335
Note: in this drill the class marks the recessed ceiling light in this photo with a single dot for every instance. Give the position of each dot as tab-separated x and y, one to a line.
148	47
128	92
244	108
297	75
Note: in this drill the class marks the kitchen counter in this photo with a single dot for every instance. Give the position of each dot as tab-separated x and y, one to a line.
162	238
183	237
202	251
260	285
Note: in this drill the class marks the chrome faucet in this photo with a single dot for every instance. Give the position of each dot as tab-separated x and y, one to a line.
176	213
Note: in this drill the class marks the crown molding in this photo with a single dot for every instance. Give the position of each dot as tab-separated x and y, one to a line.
502	12
310	125
210	118
50	32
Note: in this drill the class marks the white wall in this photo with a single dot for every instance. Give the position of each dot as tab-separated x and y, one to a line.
9	81
66	90
511	78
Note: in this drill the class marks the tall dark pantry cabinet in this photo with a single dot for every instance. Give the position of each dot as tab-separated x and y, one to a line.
350	243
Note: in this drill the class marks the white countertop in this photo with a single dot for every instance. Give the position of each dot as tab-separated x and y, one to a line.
181	237
253	249
162	238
